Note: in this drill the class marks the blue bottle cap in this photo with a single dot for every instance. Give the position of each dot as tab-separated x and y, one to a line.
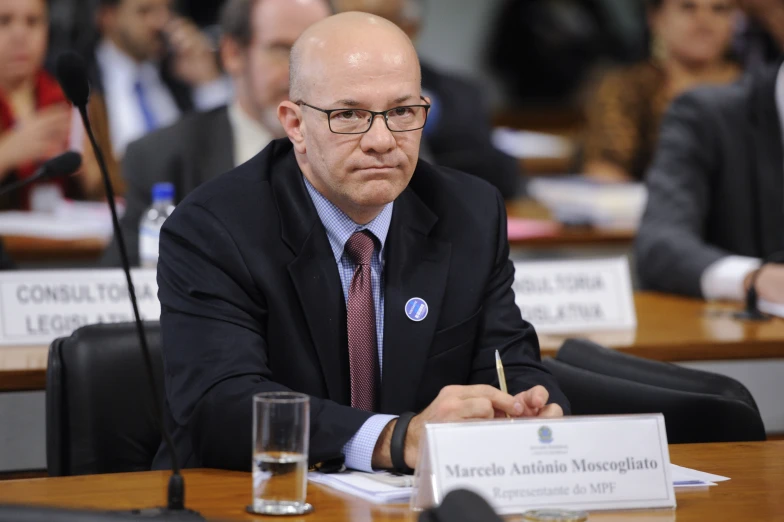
163	191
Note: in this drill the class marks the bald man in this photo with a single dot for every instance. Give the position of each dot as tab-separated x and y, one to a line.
337	265
458	131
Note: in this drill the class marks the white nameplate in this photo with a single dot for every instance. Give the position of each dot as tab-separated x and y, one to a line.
585	463
39	306
576	295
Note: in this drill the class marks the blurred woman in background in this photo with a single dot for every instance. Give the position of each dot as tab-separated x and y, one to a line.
690	42
35	118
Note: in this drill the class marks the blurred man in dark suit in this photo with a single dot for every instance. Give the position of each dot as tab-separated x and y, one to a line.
459	127
336	264
716	192
256	39
151	66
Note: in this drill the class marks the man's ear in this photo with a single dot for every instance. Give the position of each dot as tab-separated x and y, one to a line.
232	57
290	116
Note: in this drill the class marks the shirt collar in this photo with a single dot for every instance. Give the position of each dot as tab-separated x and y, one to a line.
250	136
340	227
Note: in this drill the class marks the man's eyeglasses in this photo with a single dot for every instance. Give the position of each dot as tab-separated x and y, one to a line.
358	121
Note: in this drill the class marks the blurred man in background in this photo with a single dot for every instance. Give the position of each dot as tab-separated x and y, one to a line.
257	36
152	66
458	128
716	192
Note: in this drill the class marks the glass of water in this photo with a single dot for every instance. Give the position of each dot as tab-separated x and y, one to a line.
281	431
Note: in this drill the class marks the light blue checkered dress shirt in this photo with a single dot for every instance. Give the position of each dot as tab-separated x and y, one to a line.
340	227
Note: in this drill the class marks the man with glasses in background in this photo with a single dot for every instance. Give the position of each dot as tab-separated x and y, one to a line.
256	37
337	265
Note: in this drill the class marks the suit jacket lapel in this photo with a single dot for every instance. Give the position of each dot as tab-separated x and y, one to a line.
416	266
315	277
766	137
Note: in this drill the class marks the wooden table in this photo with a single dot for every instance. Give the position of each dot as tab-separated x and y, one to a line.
565	236
23	368
669	328
547	166
672	328
754	493
21	248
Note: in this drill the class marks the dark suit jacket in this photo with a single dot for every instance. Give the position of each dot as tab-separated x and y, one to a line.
195	149
461	139
251	301
716	186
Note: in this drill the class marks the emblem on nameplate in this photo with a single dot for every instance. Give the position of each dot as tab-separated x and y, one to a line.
545	435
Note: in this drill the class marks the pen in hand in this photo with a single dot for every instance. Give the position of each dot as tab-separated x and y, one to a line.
501	377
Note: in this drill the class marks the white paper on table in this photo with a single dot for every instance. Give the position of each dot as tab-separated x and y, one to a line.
67	220
359	485
582	200
691	478
771	308
528	144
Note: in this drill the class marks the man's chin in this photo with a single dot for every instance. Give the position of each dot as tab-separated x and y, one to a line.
378	193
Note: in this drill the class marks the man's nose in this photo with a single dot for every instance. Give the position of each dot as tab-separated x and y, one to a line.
378	138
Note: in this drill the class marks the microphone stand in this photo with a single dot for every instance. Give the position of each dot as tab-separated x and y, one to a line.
752	311
175	508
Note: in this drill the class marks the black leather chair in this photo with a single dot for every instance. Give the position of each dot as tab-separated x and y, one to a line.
698	406
99	411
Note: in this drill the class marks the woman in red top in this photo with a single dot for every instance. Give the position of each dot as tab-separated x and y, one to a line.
35	118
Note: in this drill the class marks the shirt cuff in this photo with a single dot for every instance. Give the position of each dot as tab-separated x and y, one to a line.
359	450
213	94
724	278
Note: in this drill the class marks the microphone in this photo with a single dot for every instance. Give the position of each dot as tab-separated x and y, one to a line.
63	165
752	312
461	505
71	72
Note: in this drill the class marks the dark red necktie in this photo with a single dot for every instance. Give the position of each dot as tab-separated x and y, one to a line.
361	315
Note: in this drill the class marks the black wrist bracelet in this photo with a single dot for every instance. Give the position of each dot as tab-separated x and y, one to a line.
397	444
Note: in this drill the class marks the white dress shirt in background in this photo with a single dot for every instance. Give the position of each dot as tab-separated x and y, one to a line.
119	74
249	135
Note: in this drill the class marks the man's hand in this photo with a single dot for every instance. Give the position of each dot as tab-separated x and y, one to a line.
459	403
770	283
195	60
535	404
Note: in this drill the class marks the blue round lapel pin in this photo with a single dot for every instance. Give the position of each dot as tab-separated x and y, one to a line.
416	309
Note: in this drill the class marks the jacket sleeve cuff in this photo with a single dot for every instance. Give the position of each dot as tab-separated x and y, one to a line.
724	278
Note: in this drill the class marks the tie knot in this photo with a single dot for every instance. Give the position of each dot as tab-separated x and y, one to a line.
360	247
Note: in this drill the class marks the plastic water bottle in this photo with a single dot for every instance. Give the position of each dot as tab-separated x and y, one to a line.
152	221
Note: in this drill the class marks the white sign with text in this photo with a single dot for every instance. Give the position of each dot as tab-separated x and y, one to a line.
575	296
39	306
585	463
